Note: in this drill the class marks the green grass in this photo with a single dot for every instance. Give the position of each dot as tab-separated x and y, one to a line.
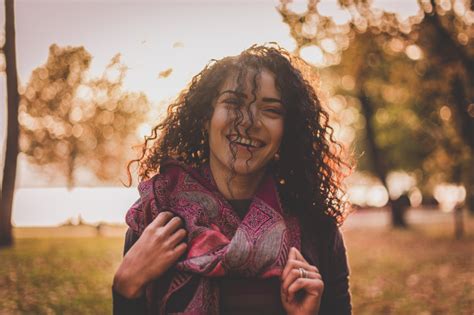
58	275
421	271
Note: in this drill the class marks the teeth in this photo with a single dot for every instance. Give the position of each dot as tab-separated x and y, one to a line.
246	141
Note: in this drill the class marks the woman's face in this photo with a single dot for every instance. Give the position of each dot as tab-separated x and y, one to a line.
256	147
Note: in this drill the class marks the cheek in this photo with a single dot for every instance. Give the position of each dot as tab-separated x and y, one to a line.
218	121
218	126
277	133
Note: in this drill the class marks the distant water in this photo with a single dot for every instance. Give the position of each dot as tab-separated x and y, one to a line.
53	206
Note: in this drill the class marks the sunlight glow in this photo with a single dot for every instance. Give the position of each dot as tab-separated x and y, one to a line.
403	9
298	6
333	9
144	130
368	195
329	45
414	52
84	93
449	196
312	54
400	182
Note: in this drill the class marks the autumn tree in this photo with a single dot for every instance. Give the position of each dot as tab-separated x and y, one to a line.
411	78
71	123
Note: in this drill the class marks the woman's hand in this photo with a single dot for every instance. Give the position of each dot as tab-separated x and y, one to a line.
300	295
157	249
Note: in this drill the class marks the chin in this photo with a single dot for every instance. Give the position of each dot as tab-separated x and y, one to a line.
241	167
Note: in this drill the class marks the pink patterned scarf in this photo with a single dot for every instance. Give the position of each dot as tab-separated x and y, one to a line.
219	242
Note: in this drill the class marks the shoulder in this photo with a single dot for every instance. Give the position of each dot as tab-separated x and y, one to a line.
334	239
153	196
322	242
323	231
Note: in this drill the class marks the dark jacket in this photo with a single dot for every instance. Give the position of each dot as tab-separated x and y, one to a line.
322	246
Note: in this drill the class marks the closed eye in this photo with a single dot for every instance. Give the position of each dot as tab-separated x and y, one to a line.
233	101
276	111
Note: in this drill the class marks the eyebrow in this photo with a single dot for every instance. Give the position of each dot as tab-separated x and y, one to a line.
242	95
271	100
238	94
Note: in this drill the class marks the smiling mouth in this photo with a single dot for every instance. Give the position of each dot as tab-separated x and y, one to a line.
246	142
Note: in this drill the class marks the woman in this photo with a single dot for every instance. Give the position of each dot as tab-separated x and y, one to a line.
239	201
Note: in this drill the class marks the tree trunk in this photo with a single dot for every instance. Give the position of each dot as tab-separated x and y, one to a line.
458	222
362	72
9	172
375	154
466	130
70	166
380	169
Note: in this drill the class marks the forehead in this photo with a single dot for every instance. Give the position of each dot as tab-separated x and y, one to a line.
265	83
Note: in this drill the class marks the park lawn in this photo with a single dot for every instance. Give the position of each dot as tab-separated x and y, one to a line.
421	271
58	275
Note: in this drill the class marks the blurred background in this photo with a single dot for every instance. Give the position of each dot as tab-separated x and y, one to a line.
82	82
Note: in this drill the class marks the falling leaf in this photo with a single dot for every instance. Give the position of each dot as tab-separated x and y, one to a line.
164	74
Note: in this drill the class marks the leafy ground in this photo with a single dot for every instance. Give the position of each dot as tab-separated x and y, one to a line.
421	271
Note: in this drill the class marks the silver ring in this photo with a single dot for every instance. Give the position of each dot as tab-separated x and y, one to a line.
303	273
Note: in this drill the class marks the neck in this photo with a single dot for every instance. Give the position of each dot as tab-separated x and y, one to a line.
242	186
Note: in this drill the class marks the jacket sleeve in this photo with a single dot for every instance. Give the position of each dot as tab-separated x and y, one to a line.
122	305
336	296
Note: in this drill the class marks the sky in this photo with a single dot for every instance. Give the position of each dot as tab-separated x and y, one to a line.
151	36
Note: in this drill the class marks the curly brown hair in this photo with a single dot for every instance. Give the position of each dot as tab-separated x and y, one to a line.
310	168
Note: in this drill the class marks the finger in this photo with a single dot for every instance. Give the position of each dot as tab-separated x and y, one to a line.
311	286
285	271
173	225
295	264
291	277
303	263
179	250
291	256
162	218
176	237
295	274
290	264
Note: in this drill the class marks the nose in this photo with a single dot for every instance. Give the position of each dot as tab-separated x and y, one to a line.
250	117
